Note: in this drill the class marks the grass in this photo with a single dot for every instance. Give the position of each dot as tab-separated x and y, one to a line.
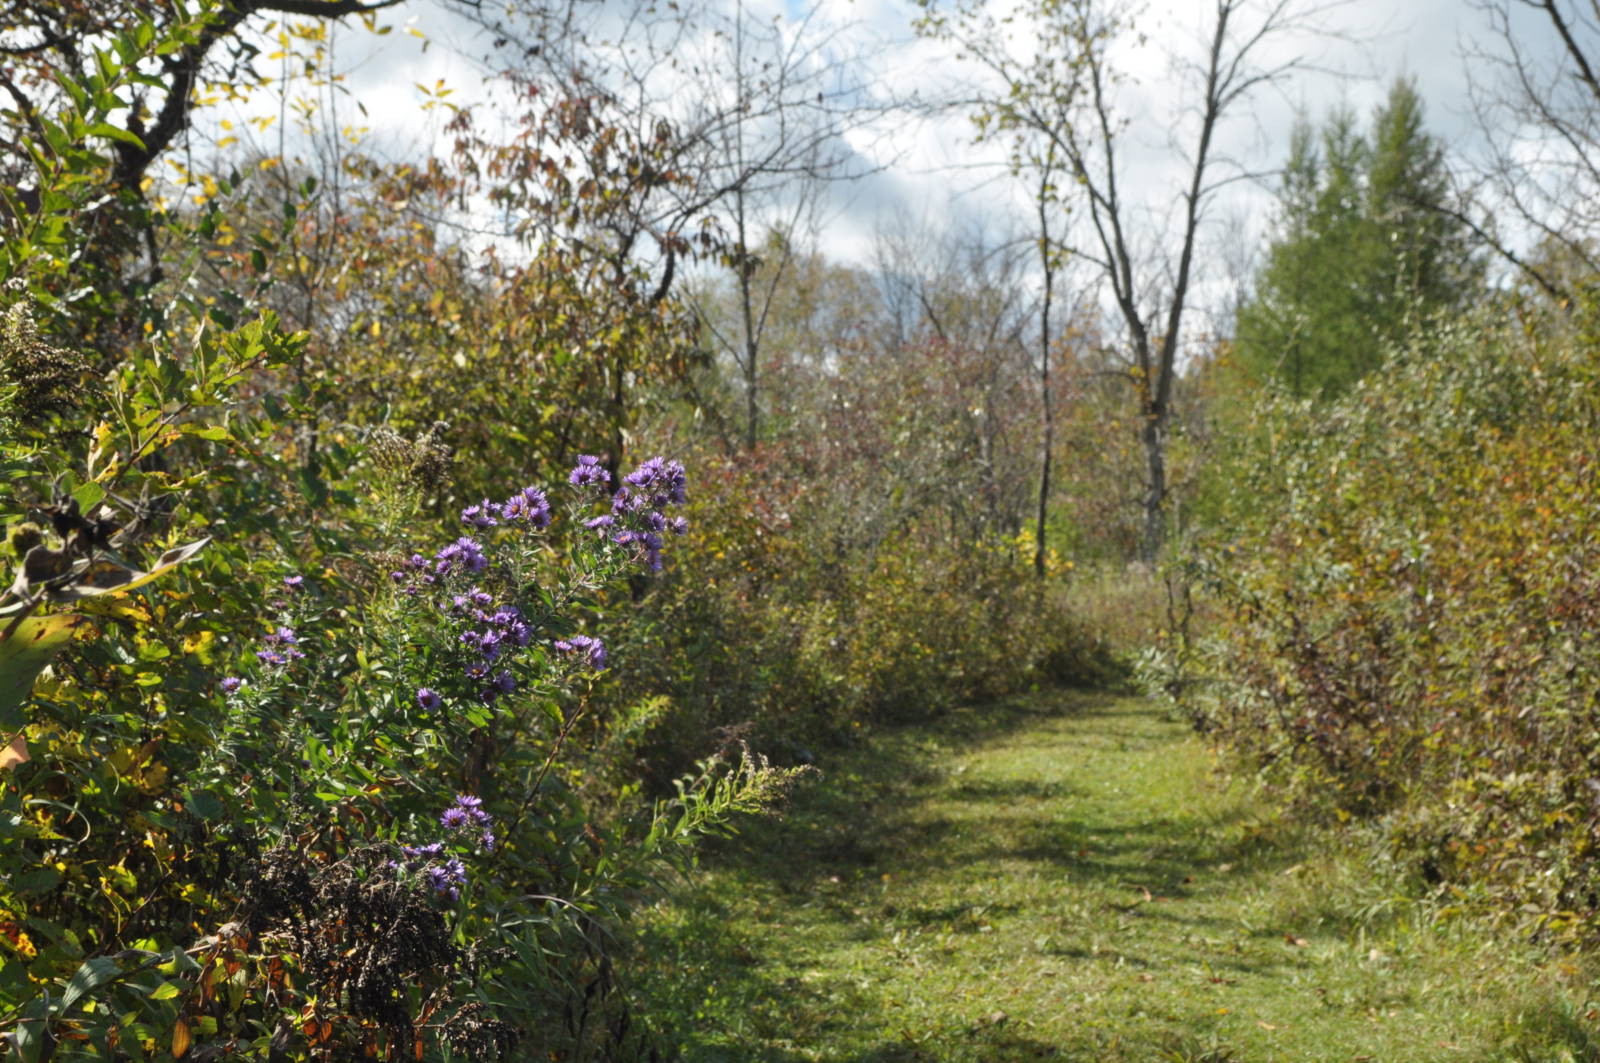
1066	877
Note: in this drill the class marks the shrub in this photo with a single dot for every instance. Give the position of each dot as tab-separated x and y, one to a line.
1409	611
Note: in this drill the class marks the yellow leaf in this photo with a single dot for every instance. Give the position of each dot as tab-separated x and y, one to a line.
180	1039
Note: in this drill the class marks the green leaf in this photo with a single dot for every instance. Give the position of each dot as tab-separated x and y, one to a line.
166	991
88	496
24	654
94	973
111	132
39	880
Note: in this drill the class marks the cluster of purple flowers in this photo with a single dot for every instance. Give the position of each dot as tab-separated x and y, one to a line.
497	631
490	634
443	877
467	815
444	873
638	516
282	646
592	650
528	506
589	472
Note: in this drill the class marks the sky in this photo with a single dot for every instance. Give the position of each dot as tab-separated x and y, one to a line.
925	170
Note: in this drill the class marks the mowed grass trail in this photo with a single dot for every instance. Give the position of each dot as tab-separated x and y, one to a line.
1068	878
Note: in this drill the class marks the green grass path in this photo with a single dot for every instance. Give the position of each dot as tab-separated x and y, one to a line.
1067	877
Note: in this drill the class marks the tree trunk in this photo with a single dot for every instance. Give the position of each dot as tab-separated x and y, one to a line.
1154	438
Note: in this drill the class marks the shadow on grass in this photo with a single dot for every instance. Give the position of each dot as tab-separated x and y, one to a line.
869	815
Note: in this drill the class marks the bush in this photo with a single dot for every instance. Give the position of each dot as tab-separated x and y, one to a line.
1410	607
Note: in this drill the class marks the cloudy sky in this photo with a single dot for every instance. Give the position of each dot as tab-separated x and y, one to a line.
926	169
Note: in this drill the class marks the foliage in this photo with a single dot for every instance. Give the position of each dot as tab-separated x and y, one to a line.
1410	611
240	811
1367	249
858	566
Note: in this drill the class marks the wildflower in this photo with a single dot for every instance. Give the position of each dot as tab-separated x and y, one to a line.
592	650
589	472
294	584
660	480
428	699
466	813
600	523
680	526
282	647
422	852
483	515
232	684
447	879
529	506
464	552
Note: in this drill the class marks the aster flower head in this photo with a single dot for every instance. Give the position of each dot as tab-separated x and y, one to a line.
465	554
231	684
483	515
680	526
293	584
466	812
592	650
530	506
422	852
589	472
447	879
428	699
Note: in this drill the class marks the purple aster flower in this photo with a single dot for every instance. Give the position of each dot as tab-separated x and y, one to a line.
592	650
447	878
454	818
422	852
294	583
680	526
271	657
232	684
464	553
529	506
504	682
600	523
429	699
483	515
589	472
487	840
645	475
472	809
625	502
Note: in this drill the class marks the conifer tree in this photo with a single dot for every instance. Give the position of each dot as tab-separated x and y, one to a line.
1363	250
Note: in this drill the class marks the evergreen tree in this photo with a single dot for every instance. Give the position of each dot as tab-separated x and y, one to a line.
1363	250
